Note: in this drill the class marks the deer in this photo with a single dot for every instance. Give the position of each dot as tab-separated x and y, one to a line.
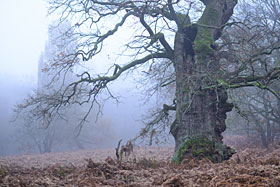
126	149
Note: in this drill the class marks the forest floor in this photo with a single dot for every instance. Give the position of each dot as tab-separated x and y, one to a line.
147	166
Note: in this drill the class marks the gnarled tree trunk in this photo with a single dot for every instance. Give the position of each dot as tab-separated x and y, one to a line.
201	107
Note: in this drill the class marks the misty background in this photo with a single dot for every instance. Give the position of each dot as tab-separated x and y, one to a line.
26	46
24	38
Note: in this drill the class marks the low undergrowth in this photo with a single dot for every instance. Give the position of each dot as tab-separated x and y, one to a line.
248	167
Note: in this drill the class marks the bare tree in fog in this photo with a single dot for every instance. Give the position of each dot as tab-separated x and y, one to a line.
261	112
39	135
34	135
209	56
258	105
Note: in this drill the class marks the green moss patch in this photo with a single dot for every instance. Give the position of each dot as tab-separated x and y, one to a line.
204	39
200	148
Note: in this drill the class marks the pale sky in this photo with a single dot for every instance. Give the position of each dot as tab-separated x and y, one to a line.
23	33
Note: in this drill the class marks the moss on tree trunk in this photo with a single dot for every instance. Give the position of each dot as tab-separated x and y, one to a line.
201	107
201	147
199	125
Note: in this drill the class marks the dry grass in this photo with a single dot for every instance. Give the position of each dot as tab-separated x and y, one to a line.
146	167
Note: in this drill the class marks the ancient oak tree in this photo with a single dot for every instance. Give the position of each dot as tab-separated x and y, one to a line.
190	35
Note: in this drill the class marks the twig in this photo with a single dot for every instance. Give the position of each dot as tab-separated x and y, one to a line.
117	151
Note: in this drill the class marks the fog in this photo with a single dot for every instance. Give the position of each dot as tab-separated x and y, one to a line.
118	121
23	36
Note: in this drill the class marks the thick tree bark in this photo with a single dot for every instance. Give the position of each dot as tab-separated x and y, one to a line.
201	112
